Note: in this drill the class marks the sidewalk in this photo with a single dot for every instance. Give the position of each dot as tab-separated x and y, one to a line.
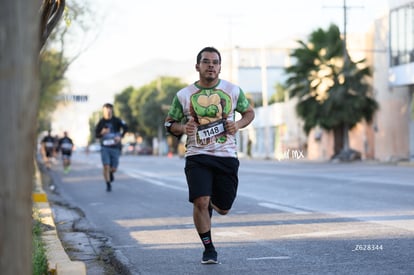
59	262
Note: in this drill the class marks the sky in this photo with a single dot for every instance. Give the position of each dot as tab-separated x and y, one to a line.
129	33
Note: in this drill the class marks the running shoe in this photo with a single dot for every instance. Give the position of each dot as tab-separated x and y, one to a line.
209	256
108	187
111	176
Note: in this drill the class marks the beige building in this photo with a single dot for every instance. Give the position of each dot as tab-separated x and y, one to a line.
393	82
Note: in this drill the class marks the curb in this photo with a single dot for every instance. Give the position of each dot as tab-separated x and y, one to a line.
406	163
59	262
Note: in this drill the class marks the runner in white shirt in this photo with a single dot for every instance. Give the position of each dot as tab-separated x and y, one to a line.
205	112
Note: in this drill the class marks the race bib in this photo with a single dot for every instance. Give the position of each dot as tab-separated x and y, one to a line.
108	142
66	146
211	129
49	144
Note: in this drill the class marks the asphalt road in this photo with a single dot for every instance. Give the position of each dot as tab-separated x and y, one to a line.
290	217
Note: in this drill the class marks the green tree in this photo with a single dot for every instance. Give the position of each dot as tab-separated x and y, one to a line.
123	110
52	69
93	120
149	104
279	95
332	89
54	57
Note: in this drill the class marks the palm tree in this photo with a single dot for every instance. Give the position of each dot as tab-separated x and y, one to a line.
332	89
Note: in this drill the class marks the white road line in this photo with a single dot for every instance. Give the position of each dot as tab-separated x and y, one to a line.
147	177
283	208
269	258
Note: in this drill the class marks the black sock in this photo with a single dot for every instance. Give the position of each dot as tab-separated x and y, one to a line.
206	239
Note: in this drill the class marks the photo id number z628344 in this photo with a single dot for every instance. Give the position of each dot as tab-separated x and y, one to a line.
367	247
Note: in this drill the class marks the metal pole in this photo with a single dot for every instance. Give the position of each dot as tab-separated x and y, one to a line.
265	100
346	62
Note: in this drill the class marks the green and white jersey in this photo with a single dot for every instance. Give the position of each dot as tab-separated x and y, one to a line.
209	107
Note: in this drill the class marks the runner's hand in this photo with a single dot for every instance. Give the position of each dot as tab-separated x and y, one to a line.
190	127
231	127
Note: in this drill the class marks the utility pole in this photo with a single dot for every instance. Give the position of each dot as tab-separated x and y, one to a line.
345	146
345	7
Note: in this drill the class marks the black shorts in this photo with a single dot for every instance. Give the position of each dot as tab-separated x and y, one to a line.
49	153
212	176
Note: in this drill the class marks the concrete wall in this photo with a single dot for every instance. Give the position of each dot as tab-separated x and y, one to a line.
392	122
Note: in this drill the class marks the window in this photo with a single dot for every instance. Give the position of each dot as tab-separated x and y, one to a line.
402	35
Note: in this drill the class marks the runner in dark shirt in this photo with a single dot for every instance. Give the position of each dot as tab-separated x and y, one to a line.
110	130
48	149
65	146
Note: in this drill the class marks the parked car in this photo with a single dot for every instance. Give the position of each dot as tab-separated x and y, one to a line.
94	147
129	149
142	149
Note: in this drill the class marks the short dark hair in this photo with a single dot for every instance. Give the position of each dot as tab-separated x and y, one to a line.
108	105
208	49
